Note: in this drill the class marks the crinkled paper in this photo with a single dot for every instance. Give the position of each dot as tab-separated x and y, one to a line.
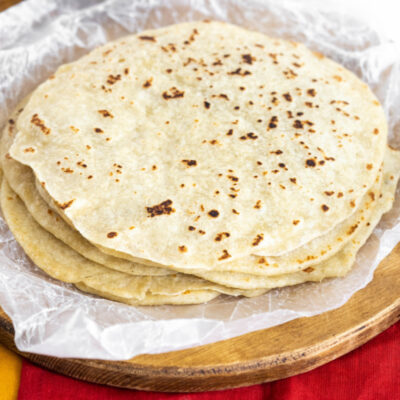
55	319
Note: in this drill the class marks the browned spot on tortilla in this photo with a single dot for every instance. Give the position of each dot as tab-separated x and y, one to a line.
40	124
148	83
352	229
105	113
190	163
221	236
65	205
160	209
225	255
111	235
372	195
258	239
173	93
182	249
213	213
308	270
113	78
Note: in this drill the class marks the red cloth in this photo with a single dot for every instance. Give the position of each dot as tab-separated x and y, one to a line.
371	372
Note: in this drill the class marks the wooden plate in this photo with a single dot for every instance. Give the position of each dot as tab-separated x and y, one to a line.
289	349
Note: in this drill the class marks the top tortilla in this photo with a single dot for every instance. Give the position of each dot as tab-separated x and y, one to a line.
232	142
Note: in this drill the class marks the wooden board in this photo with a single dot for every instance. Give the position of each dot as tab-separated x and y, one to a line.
289	349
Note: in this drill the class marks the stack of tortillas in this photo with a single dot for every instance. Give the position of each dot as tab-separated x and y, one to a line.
195	160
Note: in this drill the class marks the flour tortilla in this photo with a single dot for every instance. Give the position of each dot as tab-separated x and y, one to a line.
130	150
20	178
342	261
63	263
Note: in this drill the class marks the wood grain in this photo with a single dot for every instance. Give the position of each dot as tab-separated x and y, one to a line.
266	355
7	3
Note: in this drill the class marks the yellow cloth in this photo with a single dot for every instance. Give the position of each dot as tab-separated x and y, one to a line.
10	371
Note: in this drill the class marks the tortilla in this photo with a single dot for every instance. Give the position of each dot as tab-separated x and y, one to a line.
61	262
255	139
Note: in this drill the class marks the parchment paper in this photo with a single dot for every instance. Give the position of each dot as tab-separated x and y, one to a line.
54	318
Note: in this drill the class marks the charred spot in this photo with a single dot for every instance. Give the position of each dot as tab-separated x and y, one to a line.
221	236
40	124
311	92
182	249
248	59
310	163
160	209
290	74
308	270
324	207
191	228
352	229
98	130
352	203
273	122
339	195
148	38
282	165
298	124
207	105
148	83
233	178
369	166
372	195
225	255
235	212
113	78
65	205
230	132
239	72
329	193
251	135
173	93
213	213
287	96
105	113
257	205
111	235
295	221
29	150
190	163
376	131
126	71
258	239
223	96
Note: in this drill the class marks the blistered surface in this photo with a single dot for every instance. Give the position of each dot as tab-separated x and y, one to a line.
54	318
